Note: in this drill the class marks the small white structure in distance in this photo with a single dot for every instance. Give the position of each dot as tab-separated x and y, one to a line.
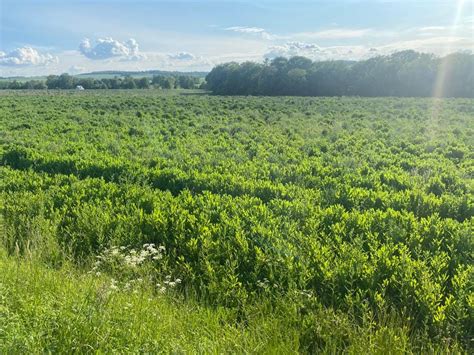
79	87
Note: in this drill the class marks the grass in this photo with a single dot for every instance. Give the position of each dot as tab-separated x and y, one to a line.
64	310
301	225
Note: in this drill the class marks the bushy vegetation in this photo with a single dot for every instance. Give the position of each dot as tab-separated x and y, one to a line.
402	74
305	224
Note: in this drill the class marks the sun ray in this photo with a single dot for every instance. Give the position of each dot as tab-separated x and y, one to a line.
445	65
443	71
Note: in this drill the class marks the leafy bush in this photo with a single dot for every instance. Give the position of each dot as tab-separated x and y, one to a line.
249	207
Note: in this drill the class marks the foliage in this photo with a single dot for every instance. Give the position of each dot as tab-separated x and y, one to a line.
402	74
68	82
355	210
63	311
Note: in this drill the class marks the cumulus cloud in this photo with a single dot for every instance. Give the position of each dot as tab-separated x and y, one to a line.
315	52
292	49
106	48
440	45
26	56
251	30
182	56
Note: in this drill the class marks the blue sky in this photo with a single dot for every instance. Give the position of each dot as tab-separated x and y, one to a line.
51	36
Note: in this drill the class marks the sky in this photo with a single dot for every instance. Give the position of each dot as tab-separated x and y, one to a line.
41	37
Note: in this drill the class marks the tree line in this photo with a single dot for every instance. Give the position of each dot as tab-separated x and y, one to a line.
406	73
66	81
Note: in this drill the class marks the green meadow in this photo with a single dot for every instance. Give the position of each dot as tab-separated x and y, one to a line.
142	222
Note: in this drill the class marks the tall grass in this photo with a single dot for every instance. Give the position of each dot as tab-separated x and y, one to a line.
63	310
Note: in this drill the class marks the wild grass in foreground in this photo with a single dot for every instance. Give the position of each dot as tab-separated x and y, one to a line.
64	310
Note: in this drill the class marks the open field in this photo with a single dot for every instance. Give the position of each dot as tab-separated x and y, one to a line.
235	224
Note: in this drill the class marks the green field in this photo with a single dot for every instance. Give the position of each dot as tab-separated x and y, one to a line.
137	221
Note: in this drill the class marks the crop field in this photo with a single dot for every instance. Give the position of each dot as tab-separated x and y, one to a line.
137	221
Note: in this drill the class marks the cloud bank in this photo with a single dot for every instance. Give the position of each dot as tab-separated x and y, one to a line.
292	49
106	48
252	31
182	56
315	52
26	56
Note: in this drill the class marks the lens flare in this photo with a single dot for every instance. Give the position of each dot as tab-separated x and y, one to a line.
443	71
445	65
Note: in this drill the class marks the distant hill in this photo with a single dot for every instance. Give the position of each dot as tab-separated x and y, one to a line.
114	73
140	74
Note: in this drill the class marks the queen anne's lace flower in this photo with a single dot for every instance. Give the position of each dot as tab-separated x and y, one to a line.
132	266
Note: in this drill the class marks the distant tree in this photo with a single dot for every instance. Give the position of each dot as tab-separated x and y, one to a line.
168	83
156	80
186	82
128	83
143	83
15	85
52	82
35	85
405	73
86	83
65	81
458	75
296	82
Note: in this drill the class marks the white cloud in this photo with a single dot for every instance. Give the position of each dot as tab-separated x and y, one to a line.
337	33
252	31
315	52
182	56
26	56
107	47
441	45
438	45
244	29
292	49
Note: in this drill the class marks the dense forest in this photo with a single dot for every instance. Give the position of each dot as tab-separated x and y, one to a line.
67	82
404	74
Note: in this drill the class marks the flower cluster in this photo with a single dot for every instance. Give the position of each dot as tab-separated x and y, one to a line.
136	258
133	258
167	284
132	268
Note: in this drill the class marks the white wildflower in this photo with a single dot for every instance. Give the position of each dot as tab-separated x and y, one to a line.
113	285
